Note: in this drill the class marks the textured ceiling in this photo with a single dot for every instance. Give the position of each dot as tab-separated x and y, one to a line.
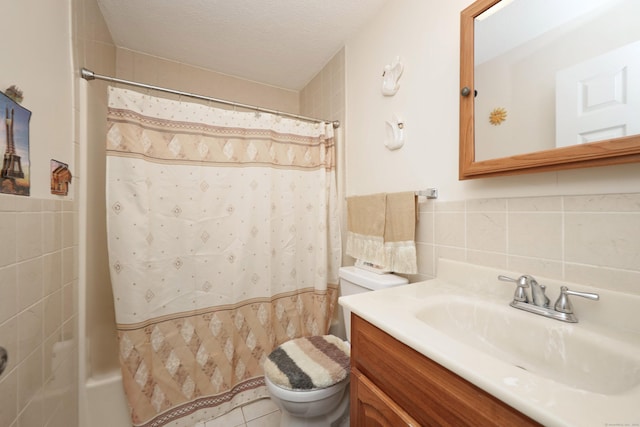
283	43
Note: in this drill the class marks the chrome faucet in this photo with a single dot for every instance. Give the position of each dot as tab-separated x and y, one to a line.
538	296
539	302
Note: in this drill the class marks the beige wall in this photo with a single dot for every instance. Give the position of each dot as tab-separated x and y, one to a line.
425	34
324	98
39	250
41	67
94	50
139	67
577	225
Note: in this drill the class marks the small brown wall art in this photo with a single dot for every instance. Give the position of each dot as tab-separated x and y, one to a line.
60	178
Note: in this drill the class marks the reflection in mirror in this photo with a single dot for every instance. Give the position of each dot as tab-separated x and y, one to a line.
558	85
558	79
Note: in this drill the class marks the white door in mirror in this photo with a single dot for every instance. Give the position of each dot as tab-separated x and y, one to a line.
598	99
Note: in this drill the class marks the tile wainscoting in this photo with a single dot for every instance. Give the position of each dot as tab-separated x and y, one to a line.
38	312
591	239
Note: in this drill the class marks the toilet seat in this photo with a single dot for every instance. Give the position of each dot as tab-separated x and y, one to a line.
308	364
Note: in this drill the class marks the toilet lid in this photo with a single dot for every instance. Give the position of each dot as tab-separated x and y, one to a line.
308	363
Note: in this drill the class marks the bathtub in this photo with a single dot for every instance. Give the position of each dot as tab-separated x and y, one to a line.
106	404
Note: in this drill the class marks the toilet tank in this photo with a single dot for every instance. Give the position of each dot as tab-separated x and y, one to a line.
354	280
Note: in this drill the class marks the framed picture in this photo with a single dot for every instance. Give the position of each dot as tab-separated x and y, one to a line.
14	143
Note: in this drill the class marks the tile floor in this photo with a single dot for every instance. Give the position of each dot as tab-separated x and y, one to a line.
261	413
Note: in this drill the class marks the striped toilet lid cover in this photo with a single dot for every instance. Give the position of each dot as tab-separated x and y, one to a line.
308	363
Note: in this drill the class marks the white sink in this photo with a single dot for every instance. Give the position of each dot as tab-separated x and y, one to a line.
563	352
560	374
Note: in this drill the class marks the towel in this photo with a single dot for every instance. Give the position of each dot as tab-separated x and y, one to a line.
308	363
365	227
381	230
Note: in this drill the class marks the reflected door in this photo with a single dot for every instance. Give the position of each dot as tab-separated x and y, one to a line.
600	98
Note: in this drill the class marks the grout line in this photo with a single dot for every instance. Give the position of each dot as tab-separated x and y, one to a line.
563	245
506	233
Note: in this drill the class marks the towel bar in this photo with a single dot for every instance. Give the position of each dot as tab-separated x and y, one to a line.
429	193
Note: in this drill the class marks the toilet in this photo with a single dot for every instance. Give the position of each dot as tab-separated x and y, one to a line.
308	377
355	280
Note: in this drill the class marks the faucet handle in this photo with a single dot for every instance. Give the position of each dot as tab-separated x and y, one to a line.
522	282
563	304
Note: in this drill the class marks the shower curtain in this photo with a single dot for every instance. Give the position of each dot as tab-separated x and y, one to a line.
224	242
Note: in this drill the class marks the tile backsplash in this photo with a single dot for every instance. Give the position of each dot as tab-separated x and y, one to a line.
592	240
38	283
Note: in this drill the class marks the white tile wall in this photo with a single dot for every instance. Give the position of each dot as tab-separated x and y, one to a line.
593	239
38	282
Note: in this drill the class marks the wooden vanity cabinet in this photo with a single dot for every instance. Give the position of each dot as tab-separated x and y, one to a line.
393	385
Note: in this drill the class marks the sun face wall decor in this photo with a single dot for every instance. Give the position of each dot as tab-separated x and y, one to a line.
497	116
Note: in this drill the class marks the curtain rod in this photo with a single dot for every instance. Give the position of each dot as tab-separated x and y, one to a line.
90	75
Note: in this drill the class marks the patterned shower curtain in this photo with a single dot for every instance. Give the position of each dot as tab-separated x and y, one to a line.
223	243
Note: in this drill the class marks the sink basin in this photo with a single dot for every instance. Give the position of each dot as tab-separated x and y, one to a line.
559	351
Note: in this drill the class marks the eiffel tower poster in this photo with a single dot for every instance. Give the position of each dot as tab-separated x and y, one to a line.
14	146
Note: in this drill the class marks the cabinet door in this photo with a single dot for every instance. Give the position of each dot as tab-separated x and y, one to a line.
370	407
425	391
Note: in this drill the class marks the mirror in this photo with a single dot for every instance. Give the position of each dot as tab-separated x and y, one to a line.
556	85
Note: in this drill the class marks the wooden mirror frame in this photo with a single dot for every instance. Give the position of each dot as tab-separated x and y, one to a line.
603	153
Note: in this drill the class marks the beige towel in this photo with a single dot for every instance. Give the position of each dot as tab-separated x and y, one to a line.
400	233
381	230
365	227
